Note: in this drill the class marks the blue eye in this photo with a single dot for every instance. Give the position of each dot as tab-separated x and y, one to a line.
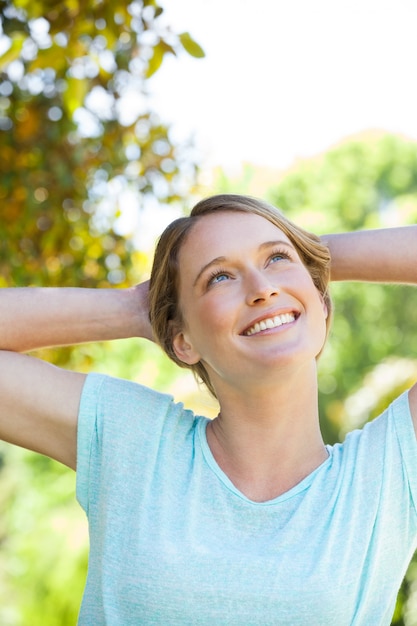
218	276
279	256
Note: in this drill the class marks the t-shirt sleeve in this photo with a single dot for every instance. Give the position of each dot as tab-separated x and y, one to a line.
116	418
87	432
401	417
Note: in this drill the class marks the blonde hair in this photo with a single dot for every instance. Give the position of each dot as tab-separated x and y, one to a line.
164	308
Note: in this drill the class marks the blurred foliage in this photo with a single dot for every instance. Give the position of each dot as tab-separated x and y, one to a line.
43	539
76	134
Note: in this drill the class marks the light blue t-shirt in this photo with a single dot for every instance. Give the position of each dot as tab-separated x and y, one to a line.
174	543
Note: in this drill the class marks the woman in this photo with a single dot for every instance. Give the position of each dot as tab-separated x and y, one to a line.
249	518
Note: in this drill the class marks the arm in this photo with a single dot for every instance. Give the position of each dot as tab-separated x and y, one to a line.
39	402
385	255
32	318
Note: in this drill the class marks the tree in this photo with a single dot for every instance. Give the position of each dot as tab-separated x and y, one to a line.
77	133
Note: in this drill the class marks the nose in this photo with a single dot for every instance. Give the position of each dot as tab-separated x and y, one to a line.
259	288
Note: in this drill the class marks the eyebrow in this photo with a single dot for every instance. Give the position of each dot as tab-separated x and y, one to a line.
222	259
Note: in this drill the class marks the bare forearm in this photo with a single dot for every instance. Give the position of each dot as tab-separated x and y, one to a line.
32	318
384	255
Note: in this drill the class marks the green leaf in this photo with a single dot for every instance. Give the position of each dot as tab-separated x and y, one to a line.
191	46
74	94
155	61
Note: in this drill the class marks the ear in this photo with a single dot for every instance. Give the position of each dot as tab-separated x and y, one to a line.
184	349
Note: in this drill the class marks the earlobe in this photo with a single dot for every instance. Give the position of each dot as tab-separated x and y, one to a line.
184	349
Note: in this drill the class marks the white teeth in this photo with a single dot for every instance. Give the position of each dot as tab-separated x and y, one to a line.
271	322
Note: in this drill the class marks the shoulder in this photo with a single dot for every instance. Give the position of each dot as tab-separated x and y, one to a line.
112	405
379	461
391	433
124	428
109	394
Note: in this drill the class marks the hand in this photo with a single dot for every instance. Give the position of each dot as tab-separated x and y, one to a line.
142	298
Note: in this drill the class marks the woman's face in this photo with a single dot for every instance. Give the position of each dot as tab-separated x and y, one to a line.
248	304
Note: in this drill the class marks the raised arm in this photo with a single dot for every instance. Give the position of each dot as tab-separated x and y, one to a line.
32	318
39	402
384	255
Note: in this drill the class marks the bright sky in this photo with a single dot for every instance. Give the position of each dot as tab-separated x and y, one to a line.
288	78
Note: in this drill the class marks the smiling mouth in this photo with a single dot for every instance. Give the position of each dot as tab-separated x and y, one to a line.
270	322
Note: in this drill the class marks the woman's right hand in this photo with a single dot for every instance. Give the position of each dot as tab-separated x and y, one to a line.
144	326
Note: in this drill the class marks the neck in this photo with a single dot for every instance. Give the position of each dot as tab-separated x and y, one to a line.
267	440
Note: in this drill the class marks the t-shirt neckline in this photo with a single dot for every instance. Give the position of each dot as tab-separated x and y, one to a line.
214	466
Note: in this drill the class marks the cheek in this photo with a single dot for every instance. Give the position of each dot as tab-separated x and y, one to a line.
209	322
209	318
